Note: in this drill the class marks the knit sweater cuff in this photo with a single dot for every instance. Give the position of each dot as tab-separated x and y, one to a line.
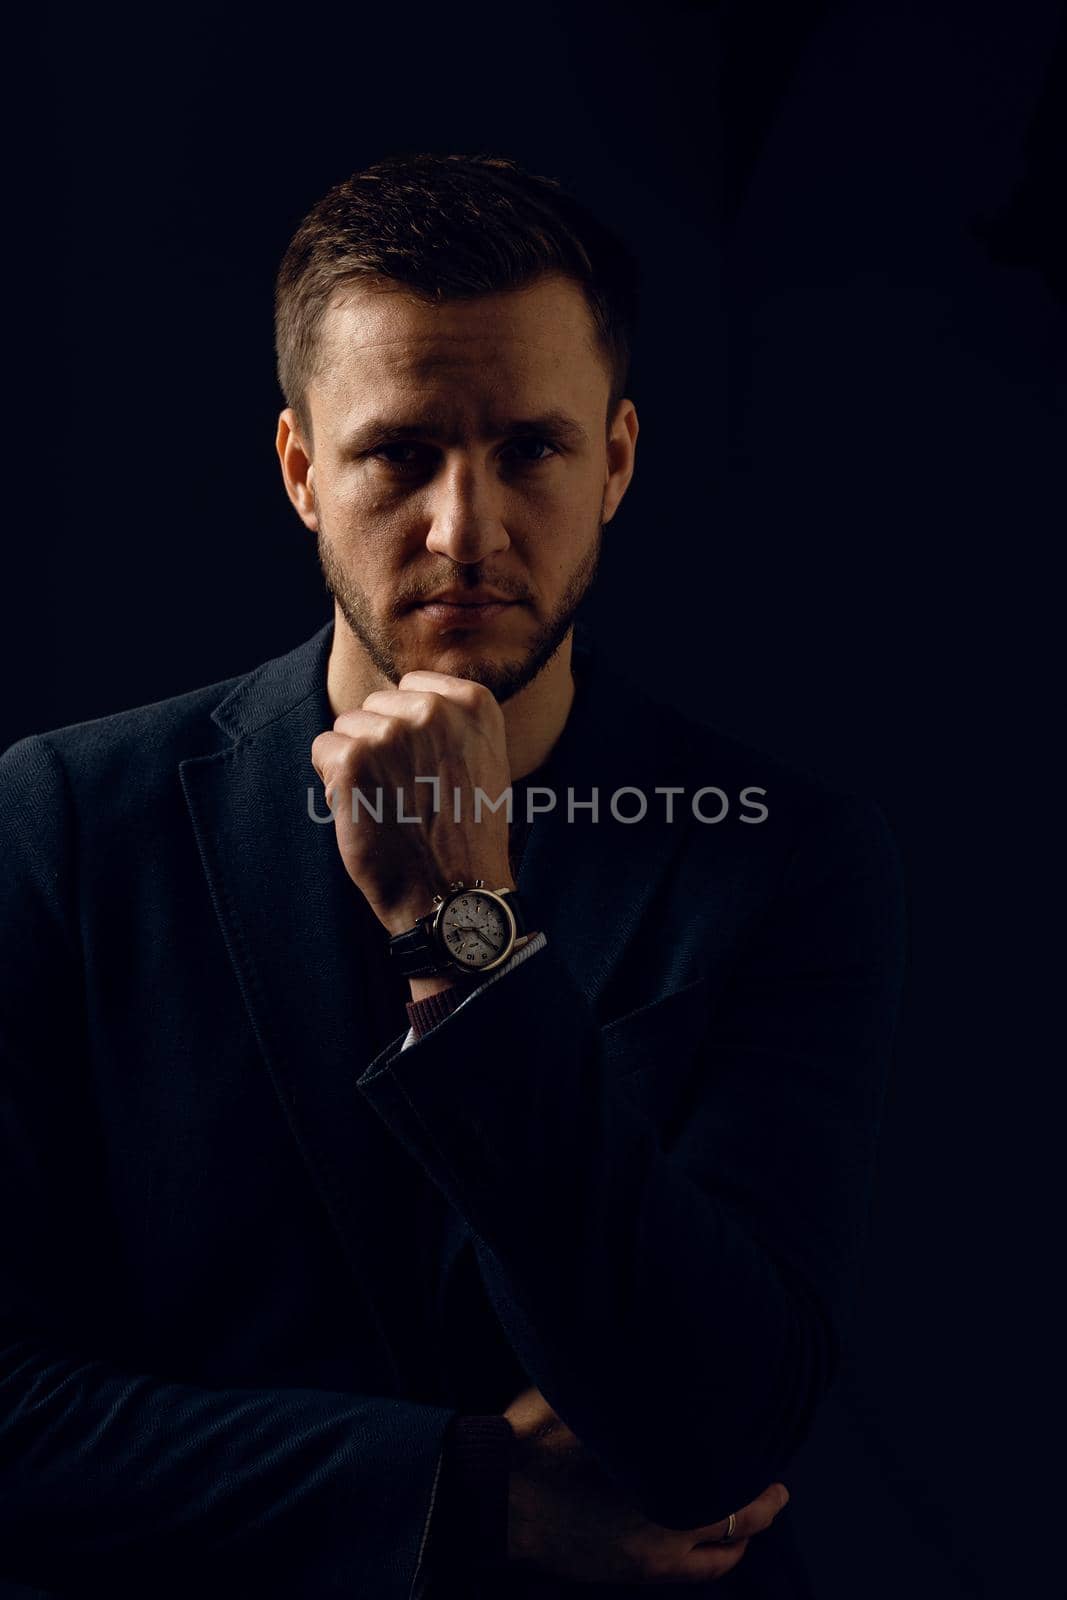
426	1014
470	1518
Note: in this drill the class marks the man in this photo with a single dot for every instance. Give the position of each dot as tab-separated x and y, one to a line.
538	1282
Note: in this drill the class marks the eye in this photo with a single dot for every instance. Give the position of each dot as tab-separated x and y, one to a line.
410	457
535	442
399	454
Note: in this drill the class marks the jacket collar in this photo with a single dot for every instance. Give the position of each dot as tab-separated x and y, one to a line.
276	687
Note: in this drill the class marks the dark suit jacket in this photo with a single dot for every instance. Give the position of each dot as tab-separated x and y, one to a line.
232	1205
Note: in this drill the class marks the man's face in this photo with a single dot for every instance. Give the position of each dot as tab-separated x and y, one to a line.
459	449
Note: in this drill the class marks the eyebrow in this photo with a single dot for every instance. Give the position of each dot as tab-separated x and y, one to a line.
381	430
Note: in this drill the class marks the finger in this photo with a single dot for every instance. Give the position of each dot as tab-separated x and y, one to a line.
753	1518
465	692
332	752
328	750
357	725
413	705
437	682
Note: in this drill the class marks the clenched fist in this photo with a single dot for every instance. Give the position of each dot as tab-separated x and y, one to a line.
430	758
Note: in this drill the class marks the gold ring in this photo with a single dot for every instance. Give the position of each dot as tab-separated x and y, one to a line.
731	1524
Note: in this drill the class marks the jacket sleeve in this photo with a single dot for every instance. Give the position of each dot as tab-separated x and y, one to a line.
677	1292
469	1527
116	1480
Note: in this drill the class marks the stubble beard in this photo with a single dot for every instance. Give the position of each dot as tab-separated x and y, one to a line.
383	644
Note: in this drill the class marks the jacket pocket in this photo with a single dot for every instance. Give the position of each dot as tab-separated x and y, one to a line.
663	1032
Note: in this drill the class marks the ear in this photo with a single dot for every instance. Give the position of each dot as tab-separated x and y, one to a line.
622	444
297	468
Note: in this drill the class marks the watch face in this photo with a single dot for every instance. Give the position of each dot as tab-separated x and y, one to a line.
476	929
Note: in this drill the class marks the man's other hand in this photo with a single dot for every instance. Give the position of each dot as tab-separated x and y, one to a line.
566	1517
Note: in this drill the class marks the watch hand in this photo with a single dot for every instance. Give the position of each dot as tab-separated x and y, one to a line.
468	927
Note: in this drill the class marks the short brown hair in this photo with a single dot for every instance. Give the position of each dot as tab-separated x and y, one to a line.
448	227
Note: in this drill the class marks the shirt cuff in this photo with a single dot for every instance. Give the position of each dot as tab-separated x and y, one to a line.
469	1524
426	1014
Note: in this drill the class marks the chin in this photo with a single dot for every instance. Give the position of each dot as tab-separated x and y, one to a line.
465	659
500	673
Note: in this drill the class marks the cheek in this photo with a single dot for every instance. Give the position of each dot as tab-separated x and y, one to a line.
556	540
571	522
358	499
363	519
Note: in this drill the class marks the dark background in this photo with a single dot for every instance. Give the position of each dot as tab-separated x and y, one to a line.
839	544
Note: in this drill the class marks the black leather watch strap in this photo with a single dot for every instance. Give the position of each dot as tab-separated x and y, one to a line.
415	953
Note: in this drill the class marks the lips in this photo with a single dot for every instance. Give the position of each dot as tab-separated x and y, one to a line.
471	597
465	612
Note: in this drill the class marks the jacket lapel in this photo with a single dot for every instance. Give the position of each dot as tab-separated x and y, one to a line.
291	919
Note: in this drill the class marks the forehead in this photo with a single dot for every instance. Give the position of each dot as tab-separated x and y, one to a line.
537	345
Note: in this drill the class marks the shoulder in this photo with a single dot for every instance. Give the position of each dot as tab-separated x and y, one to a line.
91	779
160	733
113	784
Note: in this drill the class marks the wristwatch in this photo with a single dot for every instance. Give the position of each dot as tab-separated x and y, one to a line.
470	929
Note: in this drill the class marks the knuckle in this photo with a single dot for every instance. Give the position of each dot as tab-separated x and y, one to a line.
476	696
346	761
424	710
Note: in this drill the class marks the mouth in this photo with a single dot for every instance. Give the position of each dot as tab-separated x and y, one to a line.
463	613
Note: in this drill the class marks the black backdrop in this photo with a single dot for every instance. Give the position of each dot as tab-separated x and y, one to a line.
850	379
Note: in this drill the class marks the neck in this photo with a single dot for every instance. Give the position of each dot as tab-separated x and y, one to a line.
533	719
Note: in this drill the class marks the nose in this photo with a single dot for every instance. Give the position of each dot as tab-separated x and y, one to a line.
466	523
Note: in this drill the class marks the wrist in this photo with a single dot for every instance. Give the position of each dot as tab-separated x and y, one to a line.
423	988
